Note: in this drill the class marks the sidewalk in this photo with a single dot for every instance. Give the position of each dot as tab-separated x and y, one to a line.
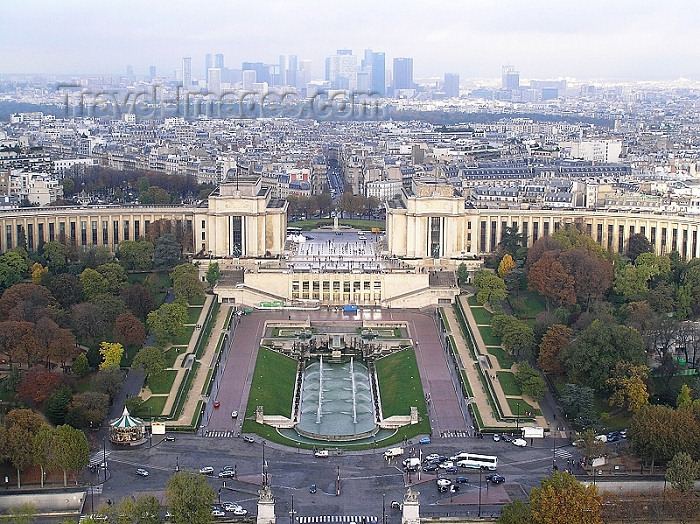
490	367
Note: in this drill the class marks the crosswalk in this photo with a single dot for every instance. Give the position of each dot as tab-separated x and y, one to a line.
98	457
328	519
562	453
452	434
220	434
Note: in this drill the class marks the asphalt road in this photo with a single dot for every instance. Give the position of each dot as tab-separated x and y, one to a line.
364	477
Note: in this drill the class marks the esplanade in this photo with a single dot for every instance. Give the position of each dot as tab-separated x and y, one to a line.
430	229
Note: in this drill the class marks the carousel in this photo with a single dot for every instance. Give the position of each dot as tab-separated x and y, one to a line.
127	430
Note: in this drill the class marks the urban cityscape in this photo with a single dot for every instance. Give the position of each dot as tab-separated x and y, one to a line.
353	263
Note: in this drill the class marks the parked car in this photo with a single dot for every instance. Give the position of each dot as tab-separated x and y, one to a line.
461	480
443	482
216	403
495	478
520	442
240	512
312	488
142	472
321	453
432	456
446	464
248	438
451	469
424	440
506	438
228	473
217	513
496	437
206	470
395	504
169	438
234	414
229	506
430	467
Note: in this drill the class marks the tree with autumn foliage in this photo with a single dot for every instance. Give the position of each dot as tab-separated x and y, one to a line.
111	354
129	330
561	499
629	386
506	265
554	340
550	279
37	385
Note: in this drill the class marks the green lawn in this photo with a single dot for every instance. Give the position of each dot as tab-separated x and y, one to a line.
273	384
482	315
508	384
172	354
524	407
399	384
528	304
472	301
197	301
163	383
184	339
505	359
489	338
155	403
193	314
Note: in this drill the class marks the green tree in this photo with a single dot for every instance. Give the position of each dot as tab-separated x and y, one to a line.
213	274
112	353
183	269
66	288
489	286
80	365
188	497
135	255
108	380
589	446
56	406
71	450
684	399
93	283
462	274
511	240
151	360
516	512
22	425
44	450
188	287
167	251
23	514
530	381
577	402
114	275
168	321
561	499
682	471
93	407
518	339
591	358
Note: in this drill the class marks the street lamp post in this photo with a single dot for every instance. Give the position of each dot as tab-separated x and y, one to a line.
264	475
104	456
480	471
383	508
292	513
517	418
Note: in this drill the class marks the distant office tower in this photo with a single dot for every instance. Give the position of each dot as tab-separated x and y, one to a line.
152	73
364	80
510	78
262	71
451	85
341	70
283	70
208	64
219	61
129	74
379	74
292	63
403	73
250	77
187	72
214	80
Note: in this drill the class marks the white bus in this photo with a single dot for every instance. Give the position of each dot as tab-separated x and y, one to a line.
472	460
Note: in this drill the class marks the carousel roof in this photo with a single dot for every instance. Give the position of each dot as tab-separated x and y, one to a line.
126	421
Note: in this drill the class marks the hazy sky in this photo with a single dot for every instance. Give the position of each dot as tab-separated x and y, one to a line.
586	39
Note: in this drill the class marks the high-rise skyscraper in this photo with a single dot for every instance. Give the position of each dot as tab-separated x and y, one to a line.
129	75
187	72
152	73
219	61
249	79
510	78
262	71
214	80
451	85
341	70
403	73
379	74
208	64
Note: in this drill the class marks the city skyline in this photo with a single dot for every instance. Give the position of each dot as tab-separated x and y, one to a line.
543	39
